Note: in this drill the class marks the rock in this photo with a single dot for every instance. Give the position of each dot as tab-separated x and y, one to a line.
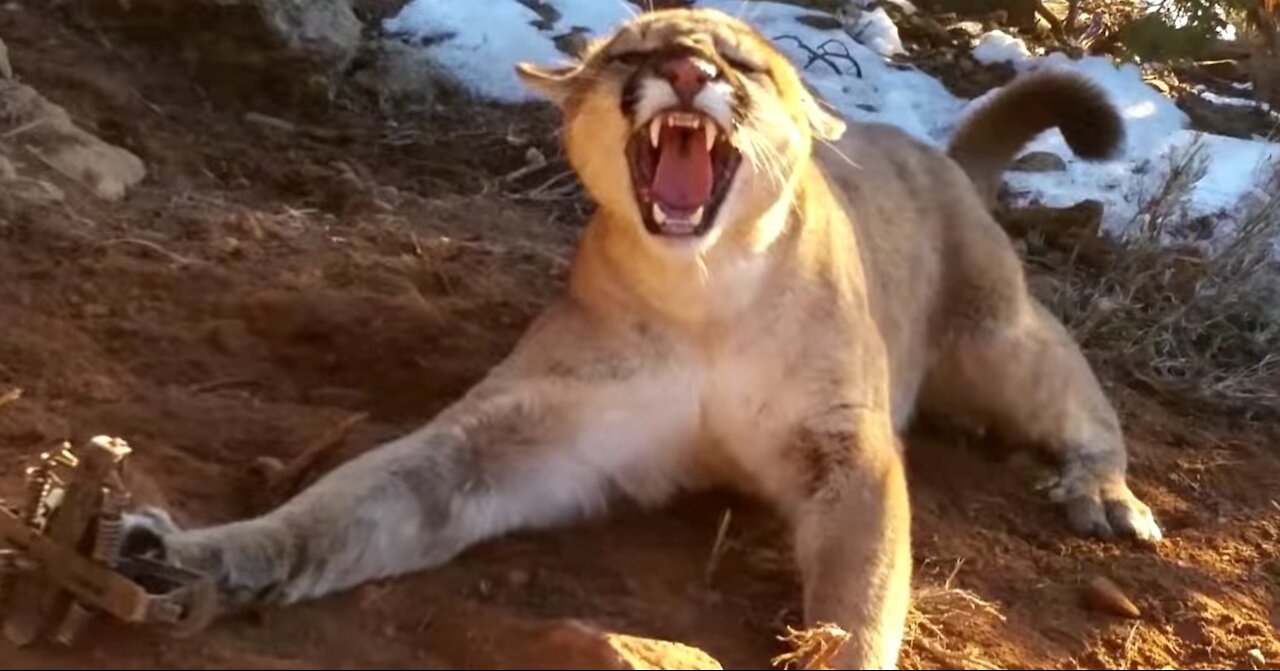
245	46
1073	229
488	637
6	70
1039	161
1242	121
47	131
546	12
397	74
583	646
572	43
648	653
1103	595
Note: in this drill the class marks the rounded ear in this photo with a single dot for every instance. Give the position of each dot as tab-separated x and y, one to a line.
554	83
826	125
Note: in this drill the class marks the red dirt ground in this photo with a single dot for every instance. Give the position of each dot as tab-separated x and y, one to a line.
377	267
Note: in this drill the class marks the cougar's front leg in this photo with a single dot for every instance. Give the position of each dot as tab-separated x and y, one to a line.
852	533
545	438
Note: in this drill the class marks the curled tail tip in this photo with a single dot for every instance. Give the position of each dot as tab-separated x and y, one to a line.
987	141
1089	121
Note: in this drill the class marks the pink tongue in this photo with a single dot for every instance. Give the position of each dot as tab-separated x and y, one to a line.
682	182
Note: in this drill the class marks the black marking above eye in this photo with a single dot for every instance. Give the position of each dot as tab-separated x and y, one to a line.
630	57
742	66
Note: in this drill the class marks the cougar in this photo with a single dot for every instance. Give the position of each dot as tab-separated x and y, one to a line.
762	300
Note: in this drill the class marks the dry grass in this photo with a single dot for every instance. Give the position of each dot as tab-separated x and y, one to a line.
941	614
939	608
1195	323
812	648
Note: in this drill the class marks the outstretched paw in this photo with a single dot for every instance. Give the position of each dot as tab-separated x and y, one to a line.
1106	512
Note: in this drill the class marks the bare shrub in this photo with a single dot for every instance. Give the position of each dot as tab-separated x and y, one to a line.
1199	322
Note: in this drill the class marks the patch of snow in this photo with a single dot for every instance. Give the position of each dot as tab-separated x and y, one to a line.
479	43
898	95
599	17
998	46
877	31
1233	168
488	38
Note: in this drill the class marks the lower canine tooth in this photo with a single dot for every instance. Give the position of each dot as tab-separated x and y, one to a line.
658	215
696	217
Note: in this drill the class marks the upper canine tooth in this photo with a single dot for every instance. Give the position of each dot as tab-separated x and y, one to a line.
711	136
655	131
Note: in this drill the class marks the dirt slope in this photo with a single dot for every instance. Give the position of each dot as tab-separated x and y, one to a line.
263	284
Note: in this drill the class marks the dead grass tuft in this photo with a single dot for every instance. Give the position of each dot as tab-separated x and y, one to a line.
936	609
1194	322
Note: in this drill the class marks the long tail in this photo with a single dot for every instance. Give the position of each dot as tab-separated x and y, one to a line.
990	137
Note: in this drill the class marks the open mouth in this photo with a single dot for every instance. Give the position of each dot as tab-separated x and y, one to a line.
681	166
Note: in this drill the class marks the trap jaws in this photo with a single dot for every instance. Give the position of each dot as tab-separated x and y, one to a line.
61	560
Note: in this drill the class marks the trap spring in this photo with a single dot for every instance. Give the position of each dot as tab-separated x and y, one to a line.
61	561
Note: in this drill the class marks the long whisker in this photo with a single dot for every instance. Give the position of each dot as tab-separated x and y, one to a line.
832	146
631	9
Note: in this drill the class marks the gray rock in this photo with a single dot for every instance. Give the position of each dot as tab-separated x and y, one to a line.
47	132
398	74
1039	161
240	43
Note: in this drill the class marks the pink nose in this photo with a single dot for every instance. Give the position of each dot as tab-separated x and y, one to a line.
688	75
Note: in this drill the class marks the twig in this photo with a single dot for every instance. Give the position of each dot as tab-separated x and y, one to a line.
545	191
843	54
284	480
1128	646
814	54
172	256
718	548
222	383
952	659
14	132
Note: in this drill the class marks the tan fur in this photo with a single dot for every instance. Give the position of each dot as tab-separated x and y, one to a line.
779	354
988	139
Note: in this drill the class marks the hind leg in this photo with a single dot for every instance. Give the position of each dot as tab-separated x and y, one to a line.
1023	375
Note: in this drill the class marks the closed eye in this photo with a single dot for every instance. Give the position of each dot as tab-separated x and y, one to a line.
742	66
630	57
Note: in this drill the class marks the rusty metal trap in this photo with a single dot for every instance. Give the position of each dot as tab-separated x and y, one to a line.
61	560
